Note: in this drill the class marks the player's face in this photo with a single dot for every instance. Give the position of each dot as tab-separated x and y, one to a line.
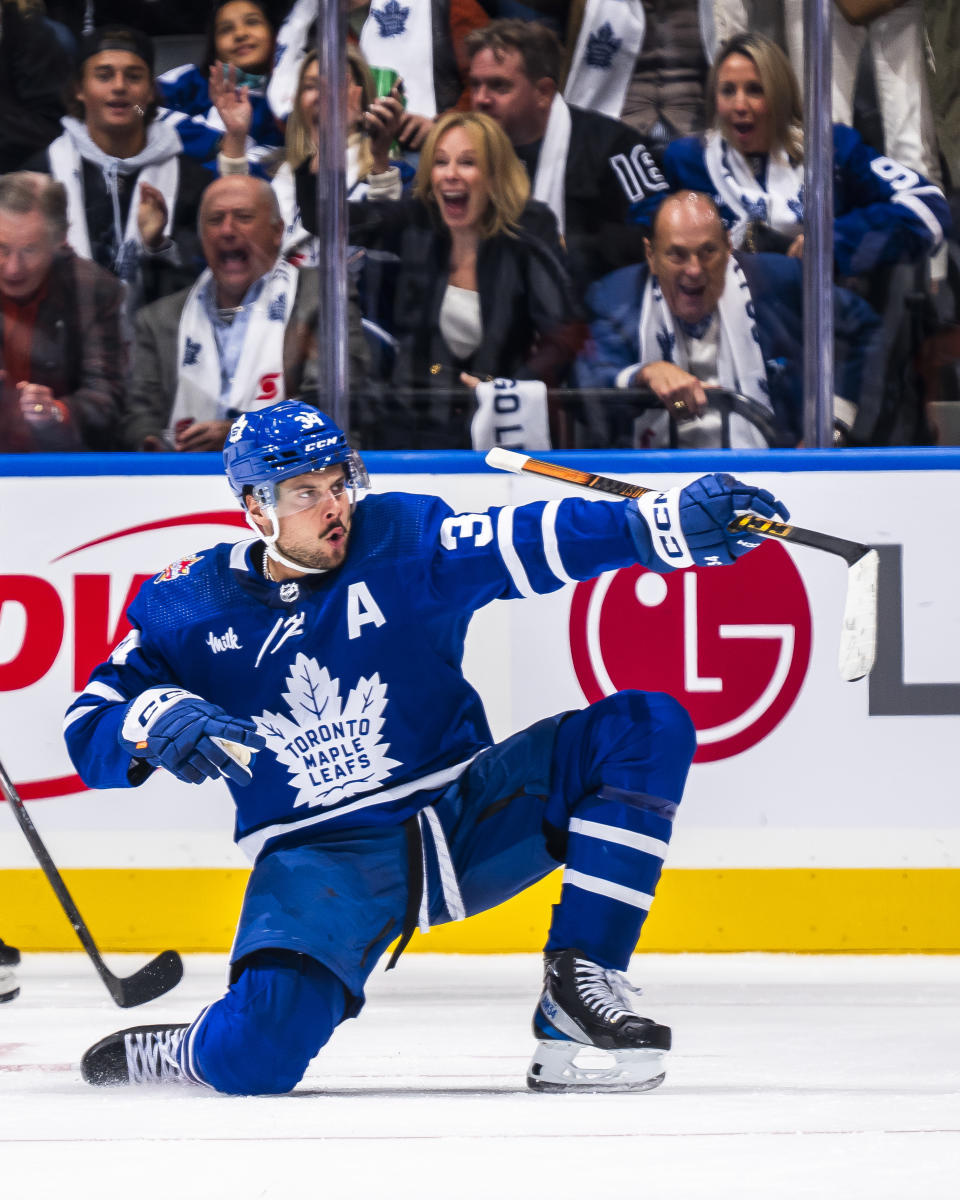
242	37
314	514
240	235
689	255
499	87
742	108
458	180
115	84
26	253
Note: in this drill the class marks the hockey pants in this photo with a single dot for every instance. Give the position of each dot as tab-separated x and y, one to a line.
595	789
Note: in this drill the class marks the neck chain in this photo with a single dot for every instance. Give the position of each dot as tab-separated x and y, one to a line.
267	573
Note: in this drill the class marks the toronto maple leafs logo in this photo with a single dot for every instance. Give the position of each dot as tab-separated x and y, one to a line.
756	210
666	340
796	206
392	18
237	428
191	352
332	750
601	47
277	309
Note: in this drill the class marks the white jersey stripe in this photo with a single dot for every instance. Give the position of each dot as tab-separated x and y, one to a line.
238	555
604	887
622	837
917	206
551	548
104	691
254	842
77	713
511	559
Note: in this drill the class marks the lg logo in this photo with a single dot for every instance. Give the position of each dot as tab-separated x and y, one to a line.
733	646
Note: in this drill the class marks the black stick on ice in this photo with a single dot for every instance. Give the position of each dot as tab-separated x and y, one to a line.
858	638
157	977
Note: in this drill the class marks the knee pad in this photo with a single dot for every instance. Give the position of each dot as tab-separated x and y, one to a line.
632	741
280	1009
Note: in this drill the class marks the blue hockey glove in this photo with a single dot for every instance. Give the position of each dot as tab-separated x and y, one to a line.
172	728
688	527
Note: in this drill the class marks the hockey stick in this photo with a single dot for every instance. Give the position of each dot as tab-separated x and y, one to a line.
158	976
858	638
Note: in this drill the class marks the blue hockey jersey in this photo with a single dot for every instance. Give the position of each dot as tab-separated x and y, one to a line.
883	211
184	93
354	677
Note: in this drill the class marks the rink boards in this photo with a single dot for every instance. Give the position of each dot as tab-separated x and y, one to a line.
819	815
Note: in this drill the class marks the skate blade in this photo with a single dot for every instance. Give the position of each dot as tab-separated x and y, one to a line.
559	1066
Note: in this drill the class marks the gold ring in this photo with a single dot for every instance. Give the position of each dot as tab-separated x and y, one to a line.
38	408
679	405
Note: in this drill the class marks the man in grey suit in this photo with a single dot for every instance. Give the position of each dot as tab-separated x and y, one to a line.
241	338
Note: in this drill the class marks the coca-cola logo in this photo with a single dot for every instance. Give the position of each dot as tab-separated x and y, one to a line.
731	644
45	613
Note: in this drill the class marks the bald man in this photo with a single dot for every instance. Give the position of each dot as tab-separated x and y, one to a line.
241	338
698	314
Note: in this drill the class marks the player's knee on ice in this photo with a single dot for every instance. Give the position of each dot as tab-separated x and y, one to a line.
260	1037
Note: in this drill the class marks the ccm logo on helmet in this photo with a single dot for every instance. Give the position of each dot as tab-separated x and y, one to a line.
322	444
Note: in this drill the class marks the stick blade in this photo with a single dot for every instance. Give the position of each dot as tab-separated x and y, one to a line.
155	979
858	638
506	460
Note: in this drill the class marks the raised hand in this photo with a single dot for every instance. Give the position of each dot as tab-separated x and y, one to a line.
151	215
233	105
689	526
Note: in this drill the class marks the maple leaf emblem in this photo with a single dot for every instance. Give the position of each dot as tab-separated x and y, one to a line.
601	47
331	750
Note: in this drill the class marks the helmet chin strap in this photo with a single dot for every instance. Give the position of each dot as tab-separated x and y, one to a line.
270	542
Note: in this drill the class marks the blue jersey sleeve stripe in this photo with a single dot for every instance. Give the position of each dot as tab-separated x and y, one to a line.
508	552
551	546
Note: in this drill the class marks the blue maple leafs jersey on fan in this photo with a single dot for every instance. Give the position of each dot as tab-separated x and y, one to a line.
353	677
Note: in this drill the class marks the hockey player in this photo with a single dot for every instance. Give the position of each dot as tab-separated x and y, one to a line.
317	667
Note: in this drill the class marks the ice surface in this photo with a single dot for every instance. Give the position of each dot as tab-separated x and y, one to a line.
790	1076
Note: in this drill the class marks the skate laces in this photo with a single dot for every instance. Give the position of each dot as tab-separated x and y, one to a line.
605	992
152	1055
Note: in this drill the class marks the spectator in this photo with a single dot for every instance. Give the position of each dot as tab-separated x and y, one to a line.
422	42
591	170
60	328
241	338
478	293
699	315
752	159
33	66
372	123
132	196
238	57
646	61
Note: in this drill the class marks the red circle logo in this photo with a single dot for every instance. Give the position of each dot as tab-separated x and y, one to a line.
733	646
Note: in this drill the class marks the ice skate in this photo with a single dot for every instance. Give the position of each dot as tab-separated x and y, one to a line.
145	1054
9	955
9	988
589	1037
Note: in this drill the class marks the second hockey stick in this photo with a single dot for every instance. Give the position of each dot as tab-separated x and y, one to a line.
157	977
858	637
